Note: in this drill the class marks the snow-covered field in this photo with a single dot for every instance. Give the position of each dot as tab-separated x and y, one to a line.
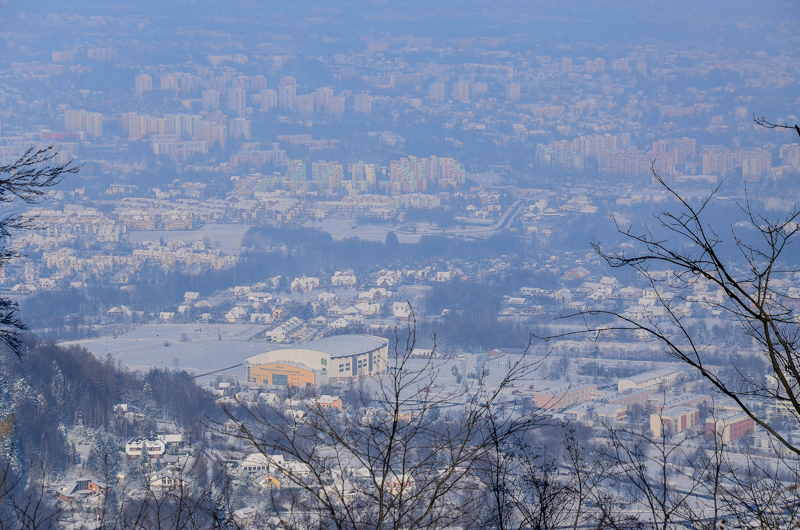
200	350
225	237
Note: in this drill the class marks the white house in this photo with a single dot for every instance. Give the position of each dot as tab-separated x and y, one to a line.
155	448
305	283
339	323
235	314
343	279
368	309
402	310
241	290
260	318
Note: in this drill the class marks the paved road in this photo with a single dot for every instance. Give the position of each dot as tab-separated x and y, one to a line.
483	231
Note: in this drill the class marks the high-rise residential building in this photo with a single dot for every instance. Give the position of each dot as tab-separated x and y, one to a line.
436	92
361	172
461	91
258	83
139	126
212	133
336	106
641	67
599	65
101	54
620	65
269	99
328	174
790	155
296	171
756	164
237	100
566	65
90	123
287	93
478	89
513	91
210	100
240	128
324	95
377	47
143	83
362	103
688	148
182	124
413	174
65	56
169	82
305	104
597	144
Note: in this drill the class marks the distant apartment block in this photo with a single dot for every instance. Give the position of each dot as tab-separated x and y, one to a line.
478	89
269	99
461	91
90	123
143	83
730	427
598	66
287	93
240	128
296	172
362	103
436	92
101	54
305	104
513	91
559	396
377	47
257	83
790	155
210	100
328	174
413	174
178	149
674	420
661	378
169	82
65	56
212	133
323	98
252	154
755	163
237	100
361	172
336	106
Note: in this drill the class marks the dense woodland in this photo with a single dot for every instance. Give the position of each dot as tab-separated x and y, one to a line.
52	388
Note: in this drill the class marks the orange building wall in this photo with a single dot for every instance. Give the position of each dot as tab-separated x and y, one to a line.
262	374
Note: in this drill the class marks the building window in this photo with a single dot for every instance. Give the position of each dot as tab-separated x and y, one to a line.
280	379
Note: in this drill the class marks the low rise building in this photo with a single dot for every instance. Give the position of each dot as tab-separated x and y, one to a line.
654	380
548	395
138	446
332	359
674	420
730	427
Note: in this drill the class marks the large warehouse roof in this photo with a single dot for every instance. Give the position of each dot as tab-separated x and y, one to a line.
336	346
